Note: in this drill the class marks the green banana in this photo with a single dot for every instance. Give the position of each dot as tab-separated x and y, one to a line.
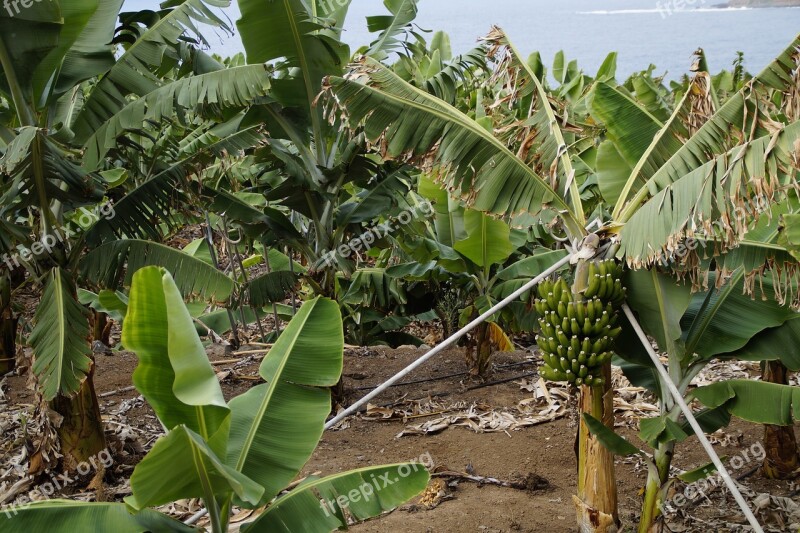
566	296
552	344
586	345
604	319
551	300
542	343
598	307
562	338
571	355
600	344
592	269
593	286
544	287
557	290
580	312
562	309
575	344
551	374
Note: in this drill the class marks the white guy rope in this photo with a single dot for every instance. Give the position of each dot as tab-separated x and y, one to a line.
701	436
448	342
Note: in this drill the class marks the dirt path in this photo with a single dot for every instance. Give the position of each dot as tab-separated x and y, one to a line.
541	452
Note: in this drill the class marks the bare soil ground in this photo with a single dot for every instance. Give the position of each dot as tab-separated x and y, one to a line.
542	453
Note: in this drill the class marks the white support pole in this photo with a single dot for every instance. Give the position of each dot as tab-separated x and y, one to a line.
701	436
448	342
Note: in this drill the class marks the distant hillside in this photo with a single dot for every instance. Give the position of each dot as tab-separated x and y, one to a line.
763	3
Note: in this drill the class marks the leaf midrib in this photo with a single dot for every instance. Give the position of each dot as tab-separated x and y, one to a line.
248	442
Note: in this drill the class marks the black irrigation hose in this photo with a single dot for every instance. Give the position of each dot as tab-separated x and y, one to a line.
440	378
474	387
501	381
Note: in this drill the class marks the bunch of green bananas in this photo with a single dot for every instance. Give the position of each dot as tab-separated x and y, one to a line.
576	337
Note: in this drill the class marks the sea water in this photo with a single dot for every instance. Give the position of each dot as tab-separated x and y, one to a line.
664	32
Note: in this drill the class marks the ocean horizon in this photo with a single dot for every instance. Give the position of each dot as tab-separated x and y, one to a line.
664	32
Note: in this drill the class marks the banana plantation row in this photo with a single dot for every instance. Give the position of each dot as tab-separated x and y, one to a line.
352	193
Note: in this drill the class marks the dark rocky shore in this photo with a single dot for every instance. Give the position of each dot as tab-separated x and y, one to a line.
762	3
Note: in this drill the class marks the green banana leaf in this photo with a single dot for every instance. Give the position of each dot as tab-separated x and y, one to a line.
173	374
660	303
289	31
61	352
121	259
754	401
480	168
781	343
391	27
610	440
365	493
488	240
182	465
724	320
67	516
276	426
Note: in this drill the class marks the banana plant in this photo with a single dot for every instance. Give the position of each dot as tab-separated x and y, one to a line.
73	102
644	181
482	257
244	452
673	185
46	54
777	350
721	323
312	166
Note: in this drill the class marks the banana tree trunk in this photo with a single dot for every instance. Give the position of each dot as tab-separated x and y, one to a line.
8	328
479	351
8	338
81	431
101	328
596	502
780	444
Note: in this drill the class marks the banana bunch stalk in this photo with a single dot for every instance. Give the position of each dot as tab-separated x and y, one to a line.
576	337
